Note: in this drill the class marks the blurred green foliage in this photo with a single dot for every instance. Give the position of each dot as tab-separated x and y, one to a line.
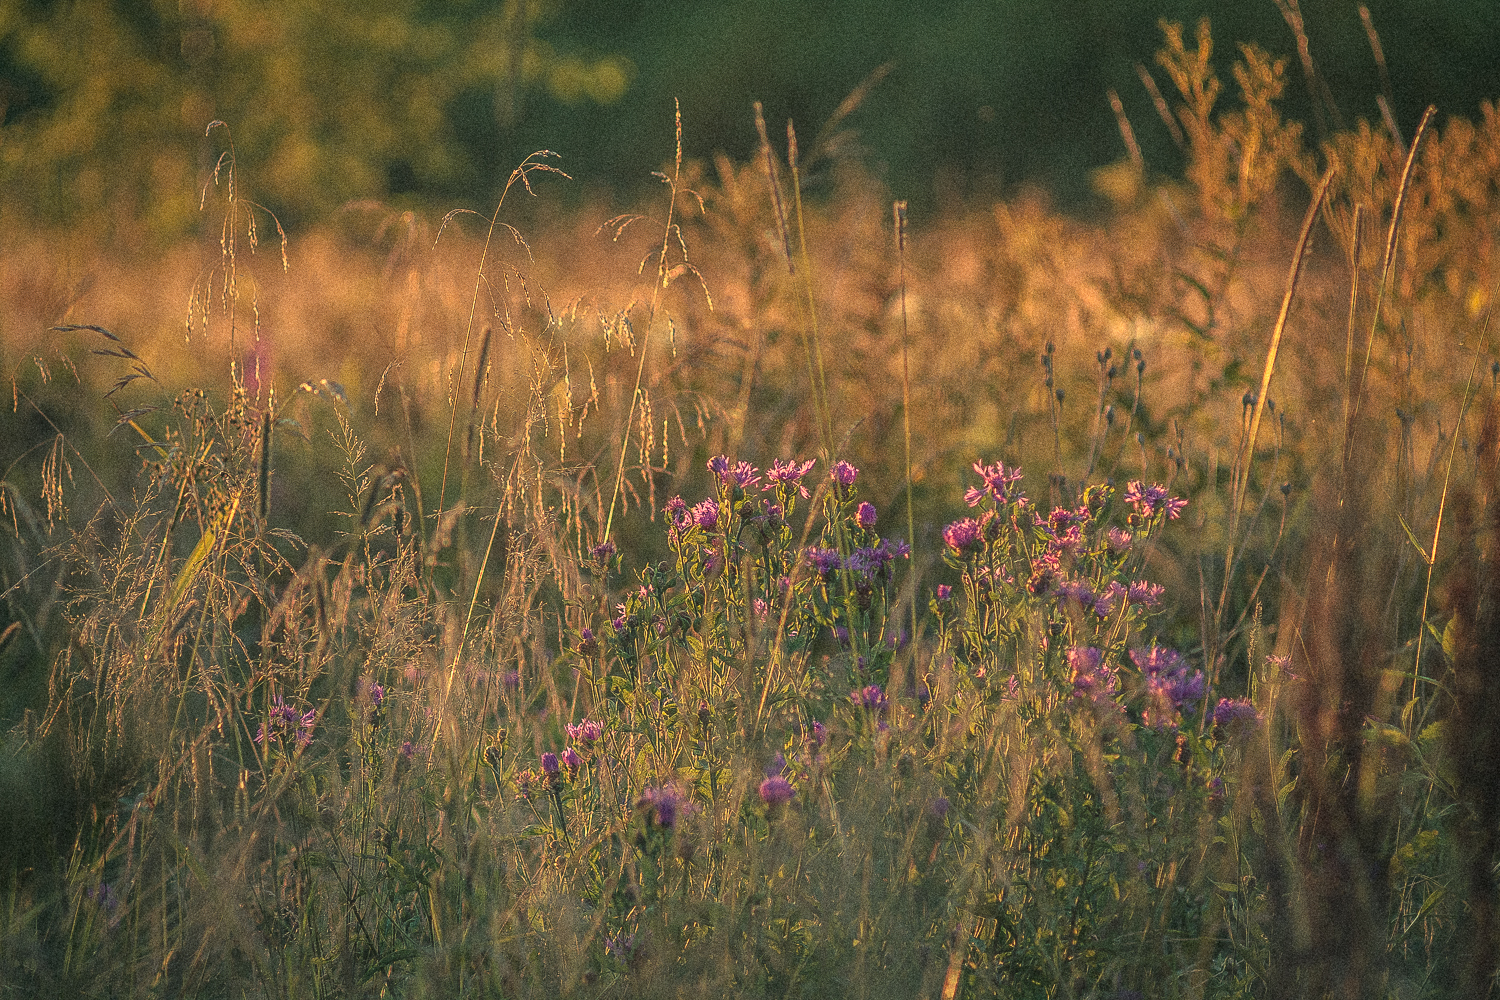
104	103
107	103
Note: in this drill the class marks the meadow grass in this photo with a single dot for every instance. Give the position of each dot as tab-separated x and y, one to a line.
659	608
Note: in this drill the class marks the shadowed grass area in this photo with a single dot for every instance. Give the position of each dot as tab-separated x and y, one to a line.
544	607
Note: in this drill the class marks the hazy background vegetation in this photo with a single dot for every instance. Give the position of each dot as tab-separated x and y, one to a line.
104	105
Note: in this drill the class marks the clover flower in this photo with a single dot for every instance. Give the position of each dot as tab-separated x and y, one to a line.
1118	540
1143	593
944	592
572	761
587	644
603	552
865	515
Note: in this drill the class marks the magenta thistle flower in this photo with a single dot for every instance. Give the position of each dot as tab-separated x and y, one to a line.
870	697
619	945
824	561
865	515
843	473
666	804
1106	603
997	484
776	791
586	732
1075	590
1092	679
1232	712
964	536
705	515
788	473
741	474
677	512
1149	501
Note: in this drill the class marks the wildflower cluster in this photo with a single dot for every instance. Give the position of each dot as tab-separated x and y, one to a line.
287	725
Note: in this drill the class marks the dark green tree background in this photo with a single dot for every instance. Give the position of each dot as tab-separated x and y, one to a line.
105	102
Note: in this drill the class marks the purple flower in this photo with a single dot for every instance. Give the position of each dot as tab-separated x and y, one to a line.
825	561
603	552
1149	501
1230	713
572	761
677	512
865	515
964	536
408	750
705	515
549	764
1092	679
376	694
776	791
870	697
512	678
938	807
587	644
788	473
1118	540
778	765
741	474
1169	686
1075	590
844	474
1143	593
761	608
665	804
944	592
1105	603
997	483
586	732
818	736
619	945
